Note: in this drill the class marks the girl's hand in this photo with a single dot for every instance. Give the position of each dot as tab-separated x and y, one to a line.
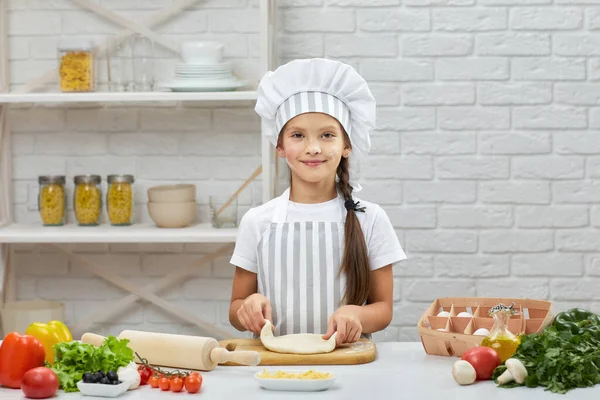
345	321
254	312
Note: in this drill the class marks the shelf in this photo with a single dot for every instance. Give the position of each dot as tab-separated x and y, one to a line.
125	97
138	233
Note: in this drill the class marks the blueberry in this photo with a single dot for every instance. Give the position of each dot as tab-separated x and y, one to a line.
104	381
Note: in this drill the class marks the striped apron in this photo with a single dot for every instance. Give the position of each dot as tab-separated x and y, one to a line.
298	264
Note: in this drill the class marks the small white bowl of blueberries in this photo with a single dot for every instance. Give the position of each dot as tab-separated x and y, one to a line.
101	384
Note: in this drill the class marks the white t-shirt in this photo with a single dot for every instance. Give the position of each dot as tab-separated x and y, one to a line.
382	241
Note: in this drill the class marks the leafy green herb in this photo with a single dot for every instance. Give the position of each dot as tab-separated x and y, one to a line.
73	359
557	360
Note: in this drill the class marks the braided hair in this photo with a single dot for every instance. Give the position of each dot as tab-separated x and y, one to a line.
355	262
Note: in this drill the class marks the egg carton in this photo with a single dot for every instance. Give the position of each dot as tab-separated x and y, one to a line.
452	325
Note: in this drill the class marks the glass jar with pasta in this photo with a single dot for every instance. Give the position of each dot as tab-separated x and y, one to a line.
119	199
87	199
52	200
76	65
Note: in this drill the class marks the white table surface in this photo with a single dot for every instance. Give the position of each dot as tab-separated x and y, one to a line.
401	371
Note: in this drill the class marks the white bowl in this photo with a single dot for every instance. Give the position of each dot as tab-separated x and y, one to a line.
172	215
103	390
177	193
202	52
295	385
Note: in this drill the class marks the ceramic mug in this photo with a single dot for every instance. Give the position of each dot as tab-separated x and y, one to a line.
201	52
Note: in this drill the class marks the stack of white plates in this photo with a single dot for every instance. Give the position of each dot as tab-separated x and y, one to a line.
213	77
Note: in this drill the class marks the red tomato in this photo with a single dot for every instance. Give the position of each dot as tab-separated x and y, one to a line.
153	381
193	383
40	383
176	384
164	383
18	354
483	359
145	374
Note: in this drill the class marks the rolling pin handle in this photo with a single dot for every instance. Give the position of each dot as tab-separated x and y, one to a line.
220	355
93	339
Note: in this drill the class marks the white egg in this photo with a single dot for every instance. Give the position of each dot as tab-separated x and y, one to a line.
465	314
481	332
444	314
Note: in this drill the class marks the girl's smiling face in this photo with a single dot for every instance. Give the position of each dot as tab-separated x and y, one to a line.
313	145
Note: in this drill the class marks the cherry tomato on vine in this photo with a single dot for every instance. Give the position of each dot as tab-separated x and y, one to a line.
153	381
193	383
164	383
176	384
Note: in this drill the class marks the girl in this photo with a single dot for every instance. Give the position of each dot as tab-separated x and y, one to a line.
316	259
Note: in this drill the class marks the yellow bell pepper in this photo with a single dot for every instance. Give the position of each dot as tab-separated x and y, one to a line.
49	334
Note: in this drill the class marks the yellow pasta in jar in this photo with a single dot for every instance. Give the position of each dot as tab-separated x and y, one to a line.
87	201
76	72
120	203
51	200
310	374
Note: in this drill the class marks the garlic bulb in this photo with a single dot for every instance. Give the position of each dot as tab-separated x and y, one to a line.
131	374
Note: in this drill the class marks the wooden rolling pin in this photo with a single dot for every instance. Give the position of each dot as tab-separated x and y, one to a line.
178	351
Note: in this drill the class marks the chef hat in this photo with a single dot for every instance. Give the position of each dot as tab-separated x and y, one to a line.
320	85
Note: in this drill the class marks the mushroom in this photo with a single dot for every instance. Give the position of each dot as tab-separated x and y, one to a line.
463	372
515	370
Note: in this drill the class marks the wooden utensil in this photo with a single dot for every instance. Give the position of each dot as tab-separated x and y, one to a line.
256	172
179	351
361	352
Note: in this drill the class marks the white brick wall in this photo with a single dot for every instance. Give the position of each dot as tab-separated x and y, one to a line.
486	155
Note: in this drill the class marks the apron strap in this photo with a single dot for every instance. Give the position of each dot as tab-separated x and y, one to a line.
281	205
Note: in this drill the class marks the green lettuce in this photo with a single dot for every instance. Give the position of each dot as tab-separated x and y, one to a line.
73	359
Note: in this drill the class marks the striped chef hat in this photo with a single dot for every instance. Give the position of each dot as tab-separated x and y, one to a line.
320	85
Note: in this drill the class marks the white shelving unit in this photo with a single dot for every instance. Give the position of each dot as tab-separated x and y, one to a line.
126	97
13	233
137	233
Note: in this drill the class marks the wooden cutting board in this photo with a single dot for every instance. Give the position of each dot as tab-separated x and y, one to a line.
361	352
